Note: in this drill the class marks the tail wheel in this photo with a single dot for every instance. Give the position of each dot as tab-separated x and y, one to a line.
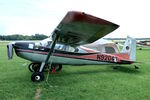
37	77
34	67
58	67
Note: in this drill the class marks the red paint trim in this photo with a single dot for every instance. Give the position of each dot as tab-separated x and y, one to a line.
119	57
88	50
74	16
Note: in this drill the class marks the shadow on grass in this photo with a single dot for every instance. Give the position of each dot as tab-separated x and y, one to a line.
75	76
126	69
108	69
144	49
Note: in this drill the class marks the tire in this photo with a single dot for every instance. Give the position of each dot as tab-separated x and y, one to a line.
30	67
57	66
37	77
140	48
36	67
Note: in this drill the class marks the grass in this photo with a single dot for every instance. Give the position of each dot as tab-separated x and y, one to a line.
92	82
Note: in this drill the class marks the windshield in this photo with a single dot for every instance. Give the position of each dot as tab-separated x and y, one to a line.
45	43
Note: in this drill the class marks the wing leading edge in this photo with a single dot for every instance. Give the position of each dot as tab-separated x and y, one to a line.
78	28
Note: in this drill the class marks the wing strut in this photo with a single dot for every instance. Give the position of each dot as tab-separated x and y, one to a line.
51	50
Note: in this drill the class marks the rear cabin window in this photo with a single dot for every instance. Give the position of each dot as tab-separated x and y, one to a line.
110	50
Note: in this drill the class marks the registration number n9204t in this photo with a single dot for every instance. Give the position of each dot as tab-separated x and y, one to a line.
107	58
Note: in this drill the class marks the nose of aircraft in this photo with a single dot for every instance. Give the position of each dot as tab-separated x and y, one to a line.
24	44
19	44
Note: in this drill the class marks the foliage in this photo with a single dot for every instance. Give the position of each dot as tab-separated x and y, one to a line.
23	37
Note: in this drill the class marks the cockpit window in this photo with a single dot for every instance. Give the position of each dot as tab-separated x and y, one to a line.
46	42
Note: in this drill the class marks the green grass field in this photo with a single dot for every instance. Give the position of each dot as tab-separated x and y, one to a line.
96	82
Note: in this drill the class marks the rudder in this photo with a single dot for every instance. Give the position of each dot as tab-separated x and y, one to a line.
130	47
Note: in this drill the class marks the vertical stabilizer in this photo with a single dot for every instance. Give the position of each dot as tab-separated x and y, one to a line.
130	47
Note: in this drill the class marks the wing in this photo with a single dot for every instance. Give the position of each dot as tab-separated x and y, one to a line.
78	28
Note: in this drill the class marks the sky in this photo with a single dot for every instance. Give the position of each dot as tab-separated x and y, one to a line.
28	17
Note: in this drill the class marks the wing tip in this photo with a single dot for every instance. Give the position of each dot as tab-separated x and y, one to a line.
116	26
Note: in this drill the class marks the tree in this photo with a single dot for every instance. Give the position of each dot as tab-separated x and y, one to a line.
22	37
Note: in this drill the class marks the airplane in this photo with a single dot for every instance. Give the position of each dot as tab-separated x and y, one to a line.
63	47
143	43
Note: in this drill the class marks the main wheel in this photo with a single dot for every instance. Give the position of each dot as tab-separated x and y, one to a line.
30	67
37	77
57	66
34	67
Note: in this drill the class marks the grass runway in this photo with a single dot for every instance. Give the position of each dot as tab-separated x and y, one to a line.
92	82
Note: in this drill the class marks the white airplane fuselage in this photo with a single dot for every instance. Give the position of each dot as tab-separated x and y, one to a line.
29	51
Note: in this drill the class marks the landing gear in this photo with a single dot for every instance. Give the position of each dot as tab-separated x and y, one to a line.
136	67
34	67
37	77
115	67
140	48
38	68
57	67
30	67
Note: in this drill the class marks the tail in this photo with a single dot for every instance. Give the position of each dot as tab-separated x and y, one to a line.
130	47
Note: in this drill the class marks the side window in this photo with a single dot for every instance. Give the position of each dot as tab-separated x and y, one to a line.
109	50
76	50
60	47
70	49
63	47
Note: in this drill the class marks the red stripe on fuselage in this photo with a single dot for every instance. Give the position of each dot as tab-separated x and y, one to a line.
112	58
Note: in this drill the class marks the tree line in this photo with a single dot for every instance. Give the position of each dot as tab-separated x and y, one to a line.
23	37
